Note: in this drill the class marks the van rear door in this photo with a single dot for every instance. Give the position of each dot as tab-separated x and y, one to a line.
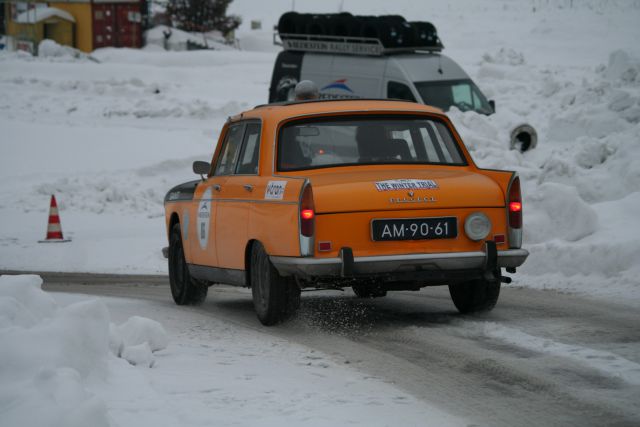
345	77
286	74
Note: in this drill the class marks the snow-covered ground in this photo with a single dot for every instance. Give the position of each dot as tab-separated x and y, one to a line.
109	138
65	364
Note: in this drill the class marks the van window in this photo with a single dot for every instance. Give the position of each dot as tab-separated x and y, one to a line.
366	141
396	90
463	94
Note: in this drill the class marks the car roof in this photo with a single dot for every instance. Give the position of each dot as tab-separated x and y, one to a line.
281	111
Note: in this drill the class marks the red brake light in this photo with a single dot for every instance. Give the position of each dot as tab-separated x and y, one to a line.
307	212
515	204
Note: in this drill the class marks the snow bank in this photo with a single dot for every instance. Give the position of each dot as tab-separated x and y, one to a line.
49	354
136	340
139	330
558	212
139	355
581	183
177	39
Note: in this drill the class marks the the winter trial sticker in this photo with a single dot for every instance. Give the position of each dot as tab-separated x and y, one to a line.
275	190
406	184
204	217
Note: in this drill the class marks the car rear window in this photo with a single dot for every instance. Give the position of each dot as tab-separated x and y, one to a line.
334	142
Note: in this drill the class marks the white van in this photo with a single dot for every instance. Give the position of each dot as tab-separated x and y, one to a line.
425	77
376	57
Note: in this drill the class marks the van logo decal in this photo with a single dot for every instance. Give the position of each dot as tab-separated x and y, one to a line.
338	84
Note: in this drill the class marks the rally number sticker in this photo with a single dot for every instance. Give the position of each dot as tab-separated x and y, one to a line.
204	219
275	190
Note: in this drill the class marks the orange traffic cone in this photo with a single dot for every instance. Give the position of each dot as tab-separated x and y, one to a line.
54	230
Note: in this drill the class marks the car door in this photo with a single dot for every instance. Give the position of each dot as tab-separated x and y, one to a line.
202	242
234	200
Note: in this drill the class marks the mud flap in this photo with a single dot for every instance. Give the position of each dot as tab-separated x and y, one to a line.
490	267
346	269
491	270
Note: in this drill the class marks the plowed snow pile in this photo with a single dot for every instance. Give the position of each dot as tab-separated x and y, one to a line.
581	184
50	354
64	364
110	138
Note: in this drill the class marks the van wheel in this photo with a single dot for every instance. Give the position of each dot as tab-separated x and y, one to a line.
275	298
475	296
185	289
363	291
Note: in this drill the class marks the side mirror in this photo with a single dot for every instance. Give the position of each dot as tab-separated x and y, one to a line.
201	168
492	103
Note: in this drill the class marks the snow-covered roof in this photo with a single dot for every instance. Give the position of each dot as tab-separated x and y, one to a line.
41	13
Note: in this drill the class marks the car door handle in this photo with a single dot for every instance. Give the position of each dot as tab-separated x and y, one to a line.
248	187
217	187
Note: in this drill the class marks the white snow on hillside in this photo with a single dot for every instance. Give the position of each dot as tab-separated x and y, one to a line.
110	138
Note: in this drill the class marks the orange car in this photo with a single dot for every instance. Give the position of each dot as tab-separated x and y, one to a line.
369	194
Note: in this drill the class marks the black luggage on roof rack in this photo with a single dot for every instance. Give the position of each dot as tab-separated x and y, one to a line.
355	35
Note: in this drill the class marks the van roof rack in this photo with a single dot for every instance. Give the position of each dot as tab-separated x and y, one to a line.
344	45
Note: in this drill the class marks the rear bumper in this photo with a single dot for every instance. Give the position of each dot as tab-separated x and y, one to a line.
393	264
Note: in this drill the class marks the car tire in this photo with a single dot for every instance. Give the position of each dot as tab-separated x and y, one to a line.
363	291
185	289
475	296
275	298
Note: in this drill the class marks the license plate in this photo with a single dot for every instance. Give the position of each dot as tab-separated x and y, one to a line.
414	228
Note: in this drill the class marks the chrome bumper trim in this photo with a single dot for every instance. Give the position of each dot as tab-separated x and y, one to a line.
309	266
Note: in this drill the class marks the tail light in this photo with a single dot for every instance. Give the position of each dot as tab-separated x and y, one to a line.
307	221
515	204
307	212
514	212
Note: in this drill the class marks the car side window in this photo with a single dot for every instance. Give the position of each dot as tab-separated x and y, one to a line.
250	153
396	90
230	149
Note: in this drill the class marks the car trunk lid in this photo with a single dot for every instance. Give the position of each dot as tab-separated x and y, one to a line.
391	188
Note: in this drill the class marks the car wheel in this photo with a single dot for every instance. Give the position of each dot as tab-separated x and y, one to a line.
275	298
363	291
185	289
475	296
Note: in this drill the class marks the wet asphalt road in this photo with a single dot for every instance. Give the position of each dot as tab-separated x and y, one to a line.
418	342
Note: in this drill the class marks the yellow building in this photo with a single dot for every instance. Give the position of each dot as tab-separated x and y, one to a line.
31	26
83	24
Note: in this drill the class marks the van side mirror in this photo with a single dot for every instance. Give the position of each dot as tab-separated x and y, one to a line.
492	103
201	168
